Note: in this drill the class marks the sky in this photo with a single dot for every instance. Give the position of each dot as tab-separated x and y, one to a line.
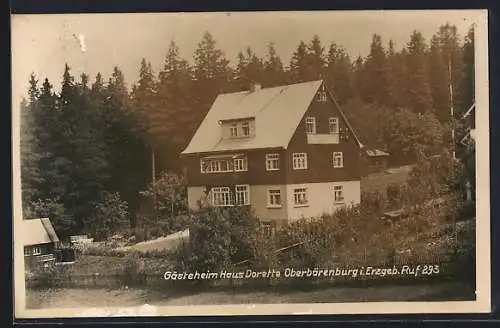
43	43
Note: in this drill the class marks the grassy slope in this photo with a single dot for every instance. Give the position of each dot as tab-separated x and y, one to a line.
379	181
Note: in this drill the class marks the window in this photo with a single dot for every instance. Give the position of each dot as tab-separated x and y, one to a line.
272	162
233	130
300	197
221	196
333	125
338	159
274	198
310	125
338	194
242	193
299	161
268	228
27	251
322	96
240	164
37	251
245	127
215	165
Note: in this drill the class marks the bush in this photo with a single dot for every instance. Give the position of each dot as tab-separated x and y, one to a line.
373	203
396	195
110	215
218	238
165	199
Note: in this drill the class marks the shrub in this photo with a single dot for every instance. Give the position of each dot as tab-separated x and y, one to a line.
373	203
396	195
165	199
218	238
110	215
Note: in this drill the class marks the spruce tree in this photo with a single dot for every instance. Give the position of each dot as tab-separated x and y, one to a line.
439	81
339	73
31	177
212	76
250	69
419	93
273	66
298	64
375	84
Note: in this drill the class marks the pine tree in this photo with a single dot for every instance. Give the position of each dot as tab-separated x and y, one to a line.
250	69
128	156
143	99
420	99
439	81
398	77
339	73
29	144
375	84
468	75
212	76
358	76
315	59
298	64
273	66
174	115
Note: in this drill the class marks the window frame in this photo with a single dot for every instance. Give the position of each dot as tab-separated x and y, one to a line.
246	193
215	166
268	228
336	124
245	127
340	189
233	127
298	192
269	160
270	194
244	164
296	160
221	191
335	156
36	251
310	121
322	96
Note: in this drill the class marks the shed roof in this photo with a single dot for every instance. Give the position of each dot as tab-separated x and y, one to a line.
38	231
376	153
277	112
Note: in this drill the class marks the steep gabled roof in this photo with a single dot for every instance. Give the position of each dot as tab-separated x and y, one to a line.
38	231
277	112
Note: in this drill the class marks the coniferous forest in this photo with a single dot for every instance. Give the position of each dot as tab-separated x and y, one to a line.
87	151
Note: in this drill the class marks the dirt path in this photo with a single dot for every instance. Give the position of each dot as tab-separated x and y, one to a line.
67	298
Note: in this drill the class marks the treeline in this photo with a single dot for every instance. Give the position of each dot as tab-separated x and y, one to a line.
90	149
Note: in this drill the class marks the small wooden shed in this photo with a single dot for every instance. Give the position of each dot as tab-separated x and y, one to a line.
40	242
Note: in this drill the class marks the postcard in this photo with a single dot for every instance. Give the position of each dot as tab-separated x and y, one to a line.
251	163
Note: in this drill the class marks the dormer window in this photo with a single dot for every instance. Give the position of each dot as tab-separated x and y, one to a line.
245	127
237	129
233	130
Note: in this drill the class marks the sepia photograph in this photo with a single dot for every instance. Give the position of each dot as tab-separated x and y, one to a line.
249	163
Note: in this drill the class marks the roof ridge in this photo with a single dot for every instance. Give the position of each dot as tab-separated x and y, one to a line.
283	86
